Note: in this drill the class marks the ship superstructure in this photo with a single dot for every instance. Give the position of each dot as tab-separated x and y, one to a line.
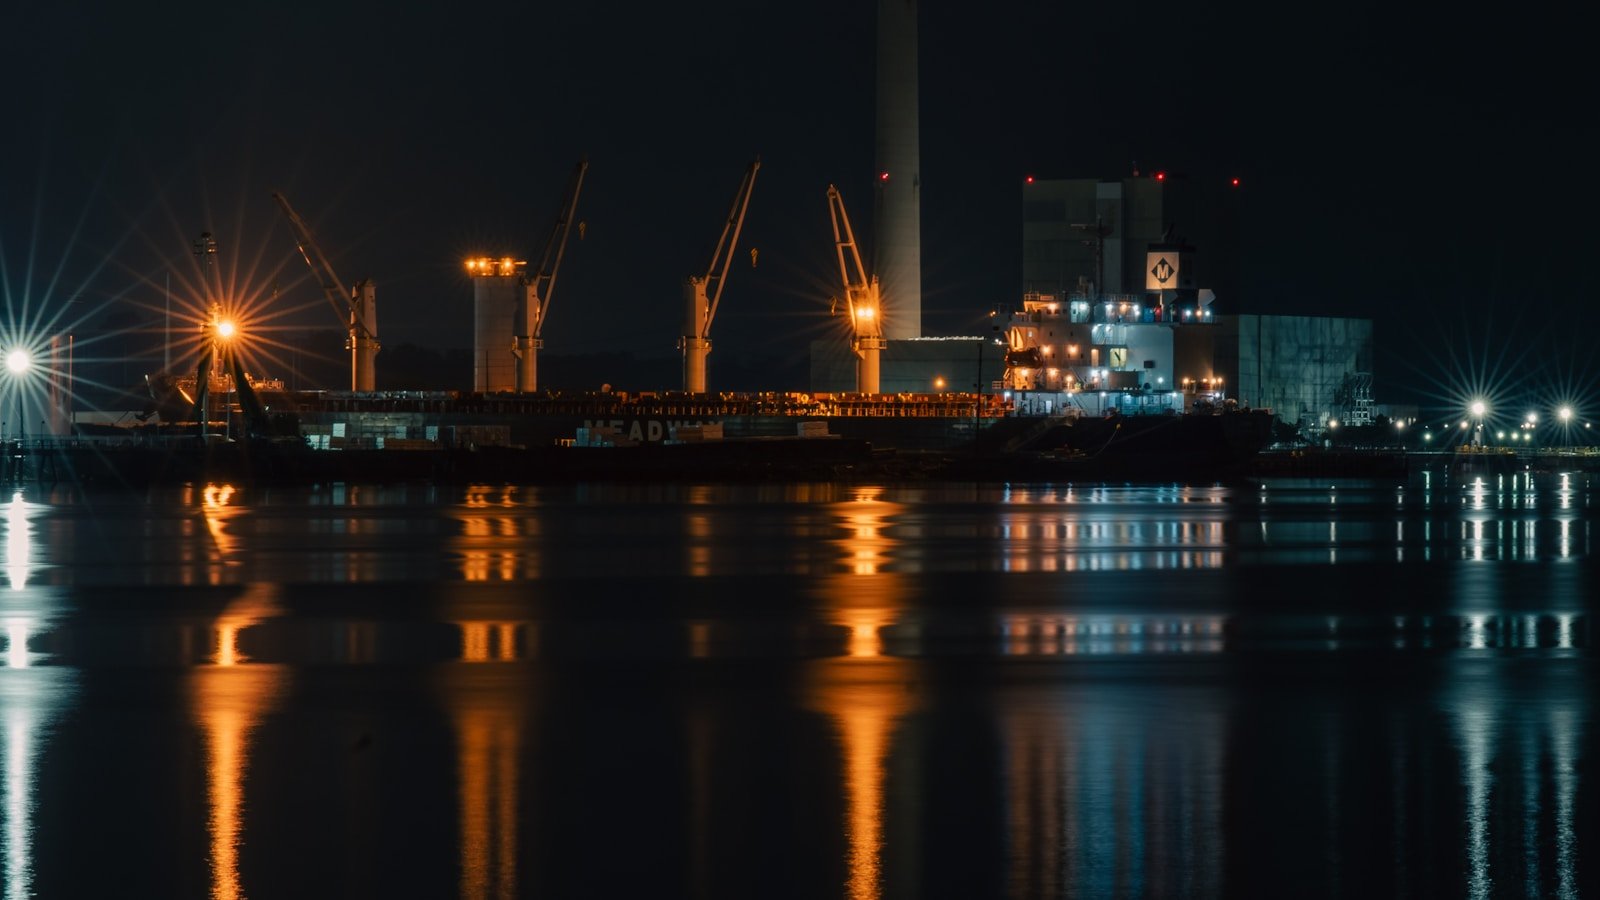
1086	352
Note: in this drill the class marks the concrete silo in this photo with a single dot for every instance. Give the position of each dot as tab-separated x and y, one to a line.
498	305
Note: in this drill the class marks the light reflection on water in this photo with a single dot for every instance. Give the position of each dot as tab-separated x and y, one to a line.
489	715
864	698
229	700
1124	688
31	701
508	535
1511	749
33	694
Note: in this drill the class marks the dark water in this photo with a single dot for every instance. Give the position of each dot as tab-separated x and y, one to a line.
1292	690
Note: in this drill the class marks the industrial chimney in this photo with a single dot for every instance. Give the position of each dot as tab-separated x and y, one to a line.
897	245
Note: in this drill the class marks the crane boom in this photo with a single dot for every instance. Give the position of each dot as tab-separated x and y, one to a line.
851	270
539	286
728	242
356	309
700	299
862	298
543	280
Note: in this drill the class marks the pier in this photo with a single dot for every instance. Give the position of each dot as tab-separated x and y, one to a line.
1378	462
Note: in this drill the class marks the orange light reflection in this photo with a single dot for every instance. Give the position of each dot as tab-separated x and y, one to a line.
865	703
865	692
489	708
865	518
229	700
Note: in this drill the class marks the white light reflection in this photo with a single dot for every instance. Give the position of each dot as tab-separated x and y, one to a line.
17	644
1564	749
1096	635
1518	755
1478	494
1473	727
30	697
1094	532
19	541
1529	754
1477	632
29	702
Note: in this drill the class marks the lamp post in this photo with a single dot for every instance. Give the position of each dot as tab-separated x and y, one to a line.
18	362
222	331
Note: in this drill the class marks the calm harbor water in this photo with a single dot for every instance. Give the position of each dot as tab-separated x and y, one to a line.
1288	689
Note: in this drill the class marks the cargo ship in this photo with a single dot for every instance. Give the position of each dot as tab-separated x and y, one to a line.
338	420
1129	380
1070	404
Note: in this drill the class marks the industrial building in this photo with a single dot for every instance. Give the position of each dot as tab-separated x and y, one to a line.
1088	236
1090	239
1307	369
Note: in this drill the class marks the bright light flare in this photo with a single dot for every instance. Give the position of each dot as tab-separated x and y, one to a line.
226	329
1479	408
19	361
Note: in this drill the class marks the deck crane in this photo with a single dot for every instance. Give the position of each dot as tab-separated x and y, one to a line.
356	307
863	303
700	299
540	285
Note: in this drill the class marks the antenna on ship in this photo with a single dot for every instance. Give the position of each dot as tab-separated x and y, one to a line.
1098	232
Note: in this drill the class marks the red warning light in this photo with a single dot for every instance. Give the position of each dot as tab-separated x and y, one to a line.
1030	179
1236	182
1161	176
883	176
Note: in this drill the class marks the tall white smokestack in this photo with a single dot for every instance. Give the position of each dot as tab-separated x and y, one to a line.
897	244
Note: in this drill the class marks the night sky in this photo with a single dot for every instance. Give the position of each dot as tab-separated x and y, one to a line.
1419	167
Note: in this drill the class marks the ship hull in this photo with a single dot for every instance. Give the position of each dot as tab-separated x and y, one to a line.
1161	447
911	433
517	431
